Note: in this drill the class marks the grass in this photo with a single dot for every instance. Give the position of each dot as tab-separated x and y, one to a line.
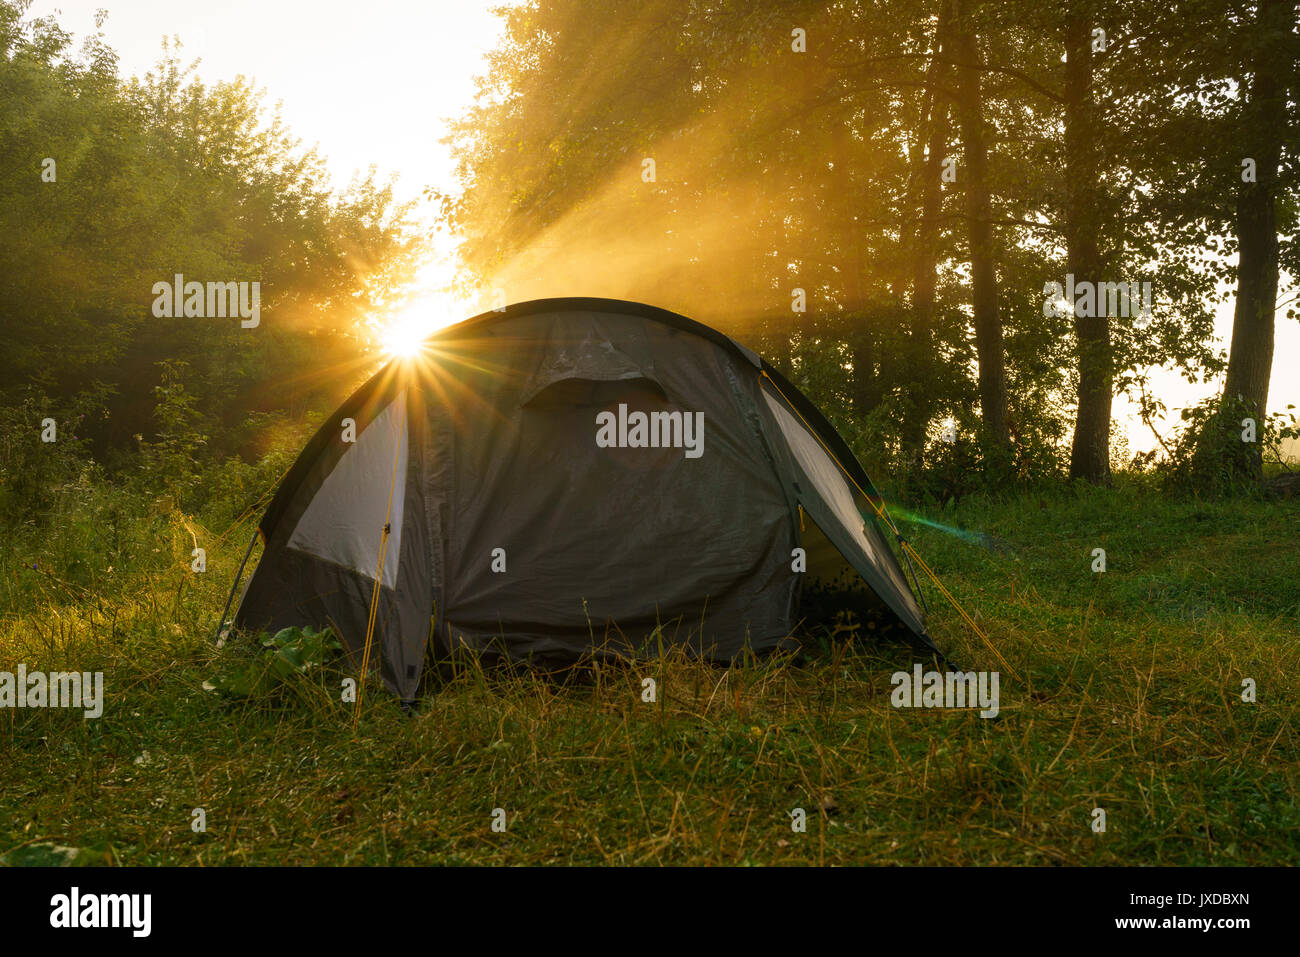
1129	700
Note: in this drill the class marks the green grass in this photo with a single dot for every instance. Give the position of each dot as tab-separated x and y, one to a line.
1129	699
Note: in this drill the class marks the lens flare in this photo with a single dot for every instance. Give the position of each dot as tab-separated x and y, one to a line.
975	538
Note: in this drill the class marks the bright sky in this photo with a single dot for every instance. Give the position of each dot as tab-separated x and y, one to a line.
377	82
1177	393
369	83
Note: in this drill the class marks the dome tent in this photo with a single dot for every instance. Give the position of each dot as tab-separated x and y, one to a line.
572	477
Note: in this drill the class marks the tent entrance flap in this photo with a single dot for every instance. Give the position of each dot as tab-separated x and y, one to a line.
345	519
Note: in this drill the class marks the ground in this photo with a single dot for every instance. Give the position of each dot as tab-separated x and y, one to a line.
1122	690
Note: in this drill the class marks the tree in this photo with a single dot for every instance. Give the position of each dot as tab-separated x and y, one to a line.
113	186
1085	224
984	283
1267	128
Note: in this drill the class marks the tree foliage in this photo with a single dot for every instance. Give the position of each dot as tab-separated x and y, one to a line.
111	185
919	169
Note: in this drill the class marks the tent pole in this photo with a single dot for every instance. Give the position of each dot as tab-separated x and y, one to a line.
915	580
233	588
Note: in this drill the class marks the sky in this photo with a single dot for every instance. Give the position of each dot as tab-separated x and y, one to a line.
377	82
371	82
368	83
1176	393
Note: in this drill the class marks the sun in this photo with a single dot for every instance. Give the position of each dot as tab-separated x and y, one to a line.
403	336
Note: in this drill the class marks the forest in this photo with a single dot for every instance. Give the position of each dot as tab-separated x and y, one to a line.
890	200
966	230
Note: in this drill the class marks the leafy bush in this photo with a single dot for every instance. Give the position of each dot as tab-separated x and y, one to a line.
34	474
292	654
1211	454
171	462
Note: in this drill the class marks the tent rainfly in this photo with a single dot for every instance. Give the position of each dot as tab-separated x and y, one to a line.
570	478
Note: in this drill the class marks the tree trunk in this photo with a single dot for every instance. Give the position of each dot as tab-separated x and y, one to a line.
925	252
867	393
1250	361
984	288
1090	453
